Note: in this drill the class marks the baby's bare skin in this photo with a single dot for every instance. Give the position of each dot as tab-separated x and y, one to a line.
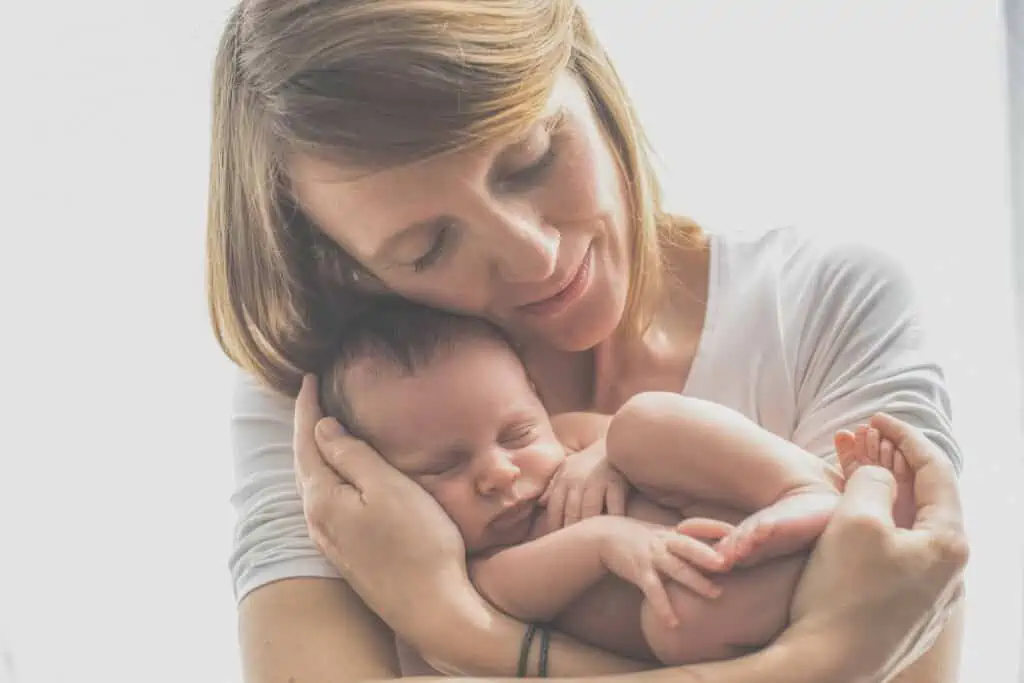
492	457
768	547
754	603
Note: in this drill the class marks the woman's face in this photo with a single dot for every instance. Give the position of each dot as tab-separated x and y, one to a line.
530	233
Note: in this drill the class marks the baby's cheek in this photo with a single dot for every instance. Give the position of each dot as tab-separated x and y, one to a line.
545	461
460	505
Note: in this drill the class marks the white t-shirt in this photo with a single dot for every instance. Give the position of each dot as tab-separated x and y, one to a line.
802	335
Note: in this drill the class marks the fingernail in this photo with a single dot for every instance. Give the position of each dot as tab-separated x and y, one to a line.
328	428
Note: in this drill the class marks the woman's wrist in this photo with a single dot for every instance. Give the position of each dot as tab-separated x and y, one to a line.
476	639
818	655
467	636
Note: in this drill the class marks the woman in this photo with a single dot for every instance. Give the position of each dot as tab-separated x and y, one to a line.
482	157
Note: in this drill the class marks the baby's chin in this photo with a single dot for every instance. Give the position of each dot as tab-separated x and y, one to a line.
495	539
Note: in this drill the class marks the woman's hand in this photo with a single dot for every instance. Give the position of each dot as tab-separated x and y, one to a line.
874	595
389	539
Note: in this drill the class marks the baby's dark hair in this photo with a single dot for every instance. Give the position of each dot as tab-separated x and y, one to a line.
403	337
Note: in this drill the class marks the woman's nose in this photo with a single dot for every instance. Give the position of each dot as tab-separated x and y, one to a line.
524	249
496	472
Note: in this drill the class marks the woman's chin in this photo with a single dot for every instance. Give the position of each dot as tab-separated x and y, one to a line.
583	328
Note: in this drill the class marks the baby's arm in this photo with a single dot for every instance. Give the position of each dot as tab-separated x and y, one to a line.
537	580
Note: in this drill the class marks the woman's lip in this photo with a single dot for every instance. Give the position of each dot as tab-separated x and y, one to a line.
568	294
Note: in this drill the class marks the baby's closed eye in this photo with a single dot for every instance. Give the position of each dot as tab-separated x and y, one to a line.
518	436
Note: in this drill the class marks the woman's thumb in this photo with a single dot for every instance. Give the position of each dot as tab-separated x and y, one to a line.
869	495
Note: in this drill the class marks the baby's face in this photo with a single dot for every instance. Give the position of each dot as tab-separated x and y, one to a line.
469	429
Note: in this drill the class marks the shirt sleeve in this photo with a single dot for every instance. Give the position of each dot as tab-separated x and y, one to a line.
271	541
862	349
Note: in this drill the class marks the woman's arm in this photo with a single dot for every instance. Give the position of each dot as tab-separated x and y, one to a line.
315	630
296	617
864	350
941	663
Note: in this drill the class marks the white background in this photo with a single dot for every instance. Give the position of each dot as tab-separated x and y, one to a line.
879	119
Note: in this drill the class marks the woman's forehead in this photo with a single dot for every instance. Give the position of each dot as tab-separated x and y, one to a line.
384	202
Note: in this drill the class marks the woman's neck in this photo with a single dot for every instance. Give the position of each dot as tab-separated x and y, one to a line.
660	360
564	380
606	377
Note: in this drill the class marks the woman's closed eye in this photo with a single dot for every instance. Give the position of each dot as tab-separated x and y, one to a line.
438	246
534	172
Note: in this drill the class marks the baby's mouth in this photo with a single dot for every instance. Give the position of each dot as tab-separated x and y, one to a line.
515	514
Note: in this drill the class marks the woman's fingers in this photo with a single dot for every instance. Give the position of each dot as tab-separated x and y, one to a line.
355	462
935	485
309	464
868	498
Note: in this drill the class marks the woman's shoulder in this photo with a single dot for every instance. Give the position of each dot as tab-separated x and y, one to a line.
804	262
251	398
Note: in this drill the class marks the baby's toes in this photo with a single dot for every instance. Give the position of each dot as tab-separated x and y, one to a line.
863	449
873	446
886	451
846	450
752	535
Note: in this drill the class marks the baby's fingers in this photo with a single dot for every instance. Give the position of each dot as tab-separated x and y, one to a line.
685	575
573	502
695	552
705	528
593	500
653	588
556	504
616	496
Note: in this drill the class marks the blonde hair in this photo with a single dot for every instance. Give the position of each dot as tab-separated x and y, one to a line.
373	83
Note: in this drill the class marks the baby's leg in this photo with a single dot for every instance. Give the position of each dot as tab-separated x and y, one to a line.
681	450
866	446
752	610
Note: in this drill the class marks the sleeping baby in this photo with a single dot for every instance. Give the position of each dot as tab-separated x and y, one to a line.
718	514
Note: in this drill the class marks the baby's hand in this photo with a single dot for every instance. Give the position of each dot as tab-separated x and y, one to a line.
645	555
584	486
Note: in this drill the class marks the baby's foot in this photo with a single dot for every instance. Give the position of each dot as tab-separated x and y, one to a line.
785	527
867	446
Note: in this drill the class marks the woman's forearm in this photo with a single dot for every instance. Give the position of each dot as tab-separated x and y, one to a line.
783	662
485	642
487	646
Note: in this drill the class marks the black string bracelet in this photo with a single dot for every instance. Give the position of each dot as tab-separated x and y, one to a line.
545	640
524	650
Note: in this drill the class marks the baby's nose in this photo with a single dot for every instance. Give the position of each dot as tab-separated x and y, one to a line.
498	474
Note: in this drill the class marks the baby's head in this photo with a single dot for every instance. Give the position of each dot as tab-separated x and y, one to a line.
446	400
